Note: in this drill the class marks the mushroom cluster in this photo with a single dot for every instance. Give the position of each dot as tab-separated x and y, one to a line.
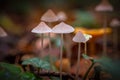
61	28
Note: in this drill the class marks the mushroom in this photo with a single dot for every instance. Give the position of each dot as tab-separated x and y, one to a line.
87	36
115	23
2	32
79	38
61	16
104	6
41	28
62	28
49	17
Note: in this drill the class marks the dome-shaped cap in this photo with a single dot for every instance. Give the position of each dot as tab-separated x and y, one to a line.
79	37
62	28
104	6
2	33
115	23
49	16
42	28
61	16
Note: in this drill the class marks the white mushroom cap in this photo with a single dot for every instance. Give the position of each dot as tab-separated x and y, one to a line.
49	16
42	28
62	28
2	33
104	6
115	23
61	16
79	37
87	36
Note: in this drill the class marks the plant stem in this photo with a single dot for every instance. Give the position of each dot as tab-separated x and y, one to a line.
78	62
85	48
66	76
61	53
42	41
105	35
50	48
86	74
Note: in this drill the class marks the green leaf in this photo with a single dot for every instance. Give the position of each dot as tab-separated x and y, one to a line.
111	66
9	71
10	67
13	72
47	58
53	59
87	57
36	62
27	76
54	78
5	75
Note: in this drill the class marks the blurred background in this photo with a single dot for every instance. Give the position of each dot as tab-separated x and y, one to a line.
19	17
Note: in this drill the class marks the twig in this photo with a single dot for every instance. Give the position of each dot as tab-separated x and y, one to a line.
85	77
56	74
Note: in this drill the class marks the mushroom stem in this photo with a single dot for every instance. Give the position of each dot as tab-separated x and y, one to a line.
50	49
105	35
61	54
85	48
50	46
42	41
78	62
115	39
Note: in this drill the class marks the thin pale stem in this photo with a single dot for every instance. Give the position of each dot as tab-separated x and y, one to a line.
42	42
85	48
105	35
61	54
50	49
78	62
115	40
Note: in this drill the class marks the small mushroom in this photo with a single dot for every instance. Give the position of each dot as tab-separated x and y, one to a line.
115	23
49	16
2	32
41	28
61	16
104	6
62	28
79	38
87	36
